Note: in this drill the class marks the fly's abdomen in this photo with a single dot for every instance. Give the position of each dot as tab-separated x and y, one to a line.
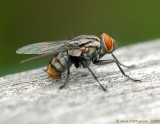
54	74
58	64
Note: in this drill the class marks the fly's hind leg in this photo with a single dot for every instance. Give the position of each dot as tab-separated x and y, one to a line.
132	66
68	73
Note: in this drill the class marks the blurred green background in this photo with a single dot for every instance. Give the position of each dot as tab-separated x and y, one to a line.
23	22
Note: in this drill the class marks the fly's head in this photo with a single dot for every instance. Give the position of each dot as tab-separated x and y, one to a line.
108	44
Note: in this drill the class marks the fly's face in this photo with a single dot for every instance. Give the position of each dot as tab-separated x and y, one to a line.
108	44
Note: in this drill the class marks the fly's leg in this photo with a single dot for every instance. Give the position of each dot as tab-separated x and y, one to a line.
132	66
86	65
103	62
68	73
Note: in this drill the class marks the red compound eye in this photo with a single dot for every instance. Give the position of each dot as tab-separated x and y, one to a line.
108	41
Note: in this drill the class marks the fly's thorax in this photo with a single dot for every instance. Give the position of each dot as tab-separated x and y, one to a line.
90	53
85	39
86	46
61	61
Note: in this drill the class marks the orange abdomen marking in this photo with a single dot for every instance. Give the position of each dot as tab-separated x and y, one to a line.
52	72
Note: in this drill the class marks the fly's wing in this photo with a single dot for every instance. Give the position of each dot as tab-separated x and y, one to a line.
42	48
46	49
54	47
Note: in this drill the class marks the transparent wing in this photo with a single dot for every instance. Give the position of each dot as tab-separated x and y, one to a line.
48	47
54	47
44	47
48	54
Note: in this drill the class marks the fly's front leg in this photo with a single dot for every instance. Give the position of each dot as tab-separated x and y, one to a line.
132	66
103	62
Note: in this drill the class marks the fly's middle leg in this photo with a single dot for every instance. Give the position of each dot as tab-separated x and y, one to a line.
95	77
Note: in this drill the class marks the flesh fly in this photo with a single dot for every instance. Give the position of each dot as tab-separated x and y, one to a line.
80	51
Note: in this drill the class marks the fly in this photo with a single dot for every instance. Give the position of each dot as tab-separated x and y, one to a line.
80	51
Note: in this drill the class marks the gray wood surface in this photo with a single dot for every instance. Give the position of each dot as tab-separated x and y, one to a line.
32	98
